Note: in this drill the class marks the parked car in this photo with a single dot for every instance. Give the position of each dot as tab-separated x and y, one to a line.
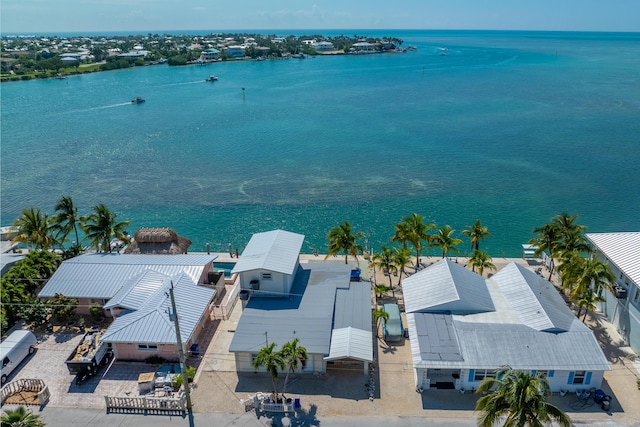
15	349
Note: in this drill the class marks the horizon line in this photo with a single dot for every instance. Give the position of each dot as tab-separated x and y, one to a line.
299	30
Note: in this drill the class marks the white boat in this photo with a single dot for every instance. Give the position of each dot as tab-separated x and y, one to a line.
211	79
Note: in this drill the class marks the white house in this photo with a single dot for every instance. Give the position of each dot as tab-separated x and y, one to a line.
315	302
268	265
463	328
622	307
209	55
323	46
364	47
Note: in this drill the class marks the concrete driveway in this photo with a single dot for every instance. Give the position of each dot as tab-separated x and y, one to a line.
48	364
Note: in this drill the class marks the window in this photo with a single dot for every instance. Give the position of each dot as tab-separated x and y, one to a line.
147	347
636	297
542	373
578	377
266	276
481	374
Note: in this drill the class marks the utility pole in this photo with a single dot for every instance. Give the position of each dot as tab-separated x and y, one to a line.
183	364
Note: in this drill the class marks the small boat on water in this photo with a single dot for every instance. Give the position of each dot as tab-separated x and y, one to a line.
137	100
60	76
211	79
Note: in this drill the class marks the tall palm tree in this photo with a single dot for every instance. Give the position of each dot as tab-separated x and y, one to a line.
272	361
591	276
566	224
445	240
66	220
586	300
20	417
102	226
34	228
521	398
476	233
293	355
402	233
481	260
342	238
379	315
401	258
385	261
415	232
547	239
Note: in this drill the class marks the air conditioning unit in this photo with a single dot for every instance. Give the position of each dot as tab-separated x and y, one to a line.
620	292
255	285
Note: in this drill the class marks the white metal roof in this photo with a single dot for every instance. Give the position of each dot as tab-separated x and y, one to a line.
150	322
529	328
276	250
322	298
98	275
621	249
533	299
138	290
351	343
446	286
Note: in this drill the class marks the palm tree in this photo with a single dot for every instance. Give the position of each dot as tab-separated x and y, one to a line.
402	233
380	290
20	417
548	239
590	276
378	315
444	240
587	300
342	238
34	229
101	226
566	224
401	258
476	233
481	260
272	361
293	355
521	398
67	219
415	231
385	261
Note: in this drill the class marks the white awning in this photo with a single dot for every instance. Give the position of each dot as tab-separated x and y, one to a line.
351	343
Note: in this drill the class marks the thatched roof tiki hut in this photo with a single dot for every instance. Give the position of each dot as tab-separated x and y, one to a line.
158	241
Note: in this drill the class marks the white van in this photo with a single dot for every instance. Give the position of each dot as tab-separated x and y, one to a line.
14	349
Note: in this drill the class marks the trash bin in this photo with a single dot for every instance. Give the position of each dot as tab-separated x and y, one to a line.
296	403
598	396
605	405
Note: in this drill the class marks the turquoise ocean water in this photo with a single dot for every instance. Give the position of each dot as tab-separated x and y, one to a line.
508	127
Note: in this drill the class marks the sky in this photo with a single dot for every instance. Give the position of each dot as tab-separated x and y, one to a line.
55	16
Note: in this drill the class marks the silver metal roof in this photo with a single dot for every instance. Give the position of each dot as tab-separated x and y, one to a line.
138	289
353	307
309	313
276	250
534	300
351	343
446	286
103	275
150	323
621	249
515	333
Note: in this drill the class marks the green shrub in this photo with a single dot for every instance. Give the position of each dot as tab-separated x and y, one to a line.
176	381
63	308
191	373
96	311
